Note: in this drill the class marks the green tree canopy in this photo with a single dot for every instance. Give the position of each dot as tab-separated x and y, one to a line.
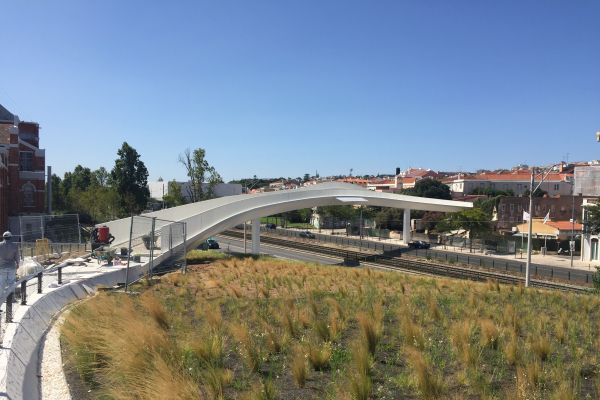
199	171
475	220
593	219
174	197
130	179
431	188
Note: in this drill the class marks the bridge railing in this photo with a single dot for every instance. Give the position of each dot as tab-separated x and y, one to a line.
34	277
151	237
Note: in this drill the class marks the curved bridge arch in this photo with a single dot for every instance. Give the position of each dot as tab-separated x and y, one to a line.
207	218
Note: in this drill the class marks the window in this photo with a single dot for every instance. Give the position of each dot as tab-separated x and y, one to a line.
512	208
26	161
28	195
501	207
556	186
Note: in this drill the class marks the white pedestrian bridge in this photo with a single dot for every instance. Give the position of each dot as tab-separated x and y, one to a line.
21	343
207	218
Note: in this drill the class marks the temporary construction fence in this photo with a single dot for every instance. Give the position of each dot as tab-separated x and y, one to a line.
57	228
151	237
44	248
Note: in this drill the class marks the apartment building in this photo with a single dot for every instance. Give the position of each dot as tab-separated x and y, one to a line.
518	182
22	165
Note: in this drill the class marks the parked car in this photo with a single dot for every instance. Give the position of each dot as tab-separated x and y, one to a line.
212	244
307	235
418	244
271	226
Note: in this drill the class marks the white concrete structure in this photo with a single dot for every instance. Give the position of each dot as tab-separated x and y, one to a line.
160	189
20	352
208	218
587	180
518	182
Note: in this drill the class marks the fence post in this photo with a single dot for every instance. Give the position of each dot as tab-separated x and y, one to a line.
60	275
39	282
569	275
23	293
129	255
184	247
9	307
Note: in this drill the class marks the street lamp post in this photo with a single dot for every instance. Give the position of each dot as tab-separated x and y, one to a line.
543	174
529	231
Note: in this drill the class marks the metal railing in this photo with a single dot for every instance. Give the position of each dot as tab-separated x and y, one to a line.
545	272
53	273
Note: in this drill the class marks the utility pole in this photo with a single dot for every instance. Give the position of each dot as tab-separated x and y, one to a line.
529	230
572	242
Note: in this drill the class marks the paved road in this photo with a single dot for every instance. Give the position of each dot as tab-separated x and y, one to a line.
237	246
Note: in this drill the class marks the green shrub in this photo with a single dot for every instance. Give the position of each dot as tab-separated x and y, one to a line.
202	256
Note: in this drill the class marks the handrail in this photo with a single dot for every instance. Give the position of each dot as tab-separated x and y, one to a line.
22	283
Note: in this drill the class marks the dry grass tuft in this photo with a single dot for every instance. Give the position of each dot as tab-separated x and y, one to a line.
511	350
155	309
411	332
361	386
298	367
250	351
429	385
489	333
541	346
371	330
319	356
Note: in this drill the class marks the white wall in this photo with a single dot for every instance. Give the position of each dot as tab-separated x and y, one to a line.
160	189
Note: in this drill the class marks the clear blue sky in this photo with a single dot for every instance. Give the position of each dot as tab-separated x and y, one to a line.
283	88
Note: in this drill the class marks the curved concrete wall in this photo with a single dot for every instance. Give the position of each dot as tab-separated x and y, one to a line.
207	218
19	356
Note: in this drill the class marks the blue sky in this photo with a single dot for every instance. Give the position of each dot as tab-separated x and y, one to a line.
283	88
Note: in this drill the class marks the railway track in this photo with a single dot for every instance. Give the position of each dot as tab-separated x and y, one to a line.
412	265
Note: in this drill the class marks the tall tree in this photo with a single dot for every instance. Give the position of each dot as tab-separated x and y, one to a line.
174	197
130	179
592	216
81	178
102	176
199	171
475	220
431	188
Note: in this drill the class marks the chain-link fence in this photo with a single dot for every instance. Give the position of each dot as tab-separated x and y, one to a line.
56	228
152	237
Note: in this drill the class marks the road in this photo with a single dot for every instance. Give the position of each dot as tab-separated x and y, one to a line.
237	246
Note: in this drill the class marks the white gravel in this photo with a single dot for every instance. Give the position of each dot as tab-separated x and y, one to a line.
53	383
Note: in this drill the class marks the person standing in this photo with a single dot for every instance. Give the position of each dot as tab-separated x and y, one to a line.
9	262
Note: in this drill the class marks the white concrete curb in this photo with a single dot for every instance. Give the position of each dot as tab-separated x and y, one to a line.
19	356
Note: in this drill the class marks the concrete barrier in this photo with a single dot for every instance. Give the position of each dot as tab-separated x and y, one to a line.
19	356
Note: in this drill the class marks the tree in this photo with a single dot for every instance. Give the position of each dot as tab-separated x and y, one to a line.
101	176
81	178
199	171
431	188
174	197
592	214
475	220
390	218
130	179
536	193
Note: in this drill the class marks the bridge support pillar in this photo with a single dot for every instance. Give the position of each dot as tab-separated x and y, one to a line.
256	236
406	227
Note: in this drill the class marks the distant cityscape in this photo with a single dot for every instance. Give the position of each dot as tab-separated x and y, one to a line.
566	188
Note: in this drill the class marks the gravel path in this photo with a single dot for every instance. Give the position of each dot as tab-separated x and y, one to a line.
54	384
